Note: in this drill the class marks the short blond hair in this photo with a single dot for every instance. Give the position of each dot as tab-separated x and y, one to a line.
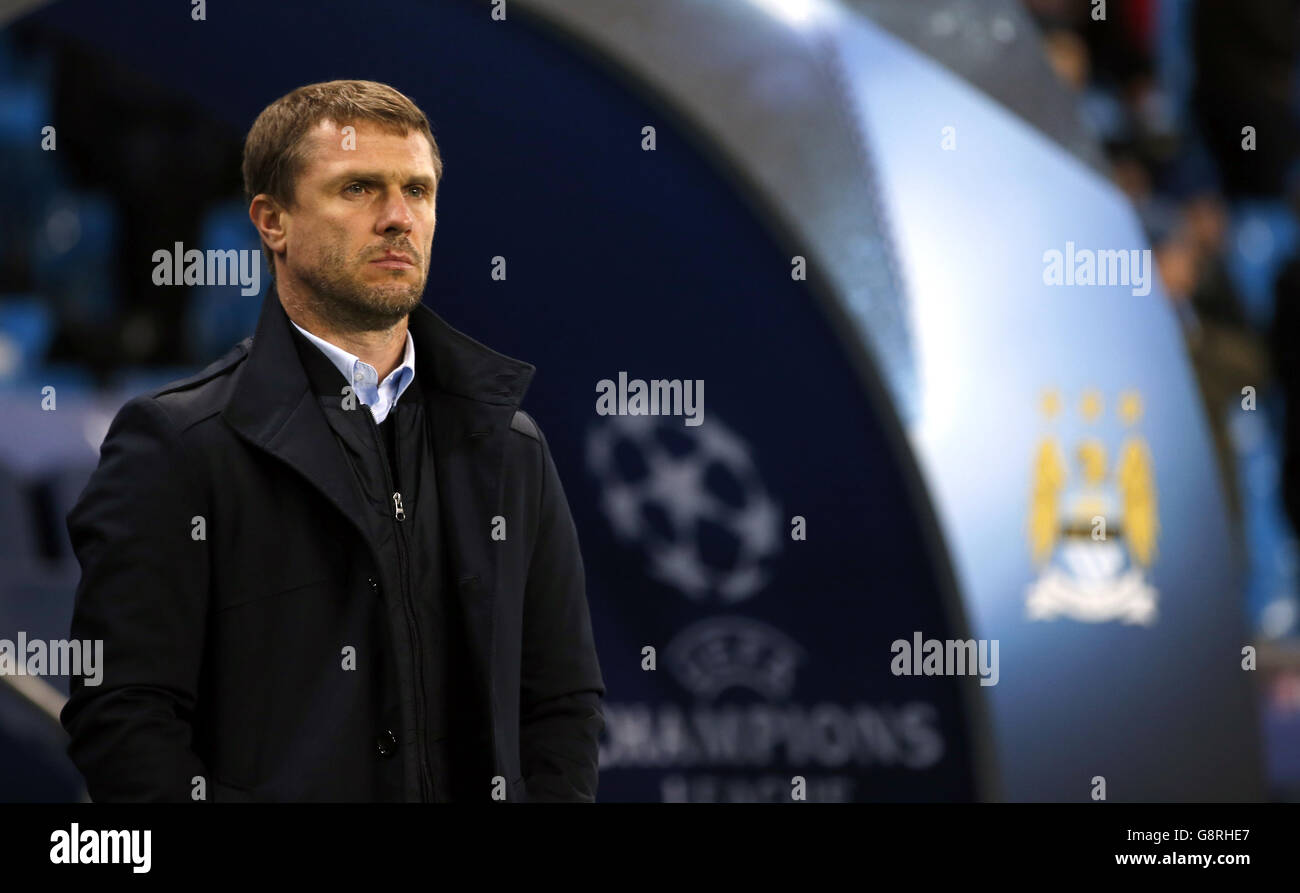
274	151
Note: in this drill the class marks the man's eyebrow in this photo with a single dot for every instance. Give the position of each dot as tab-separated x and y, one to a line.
378	177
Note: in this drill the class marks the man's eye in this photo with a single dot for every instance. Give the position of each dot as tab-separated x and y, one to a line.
352	186
419	190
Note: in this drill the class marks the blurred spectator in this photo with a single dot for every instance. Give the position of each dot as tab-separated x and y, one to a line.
163	166
1285	336
1246	76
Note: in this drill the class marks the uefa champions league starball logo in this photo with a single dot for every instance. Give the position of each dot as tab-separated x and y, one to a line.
691	498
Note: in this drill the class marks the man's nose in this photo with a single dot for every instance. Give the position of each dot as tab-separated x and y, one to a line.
394	215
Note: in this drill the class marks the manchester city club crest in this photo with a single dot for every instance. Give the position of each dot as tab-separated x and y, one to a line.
1093	520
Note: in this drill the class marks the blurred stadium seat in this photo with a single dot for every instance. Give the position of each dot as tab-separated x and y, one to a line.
219	316
75	255
26	329
1263	236
17	524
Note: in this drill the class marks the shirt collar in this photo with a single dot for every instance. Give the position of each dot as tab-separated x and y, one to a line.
362	374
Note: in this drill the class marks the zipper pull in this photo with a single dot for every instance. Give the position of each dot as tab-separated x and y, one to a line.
398	512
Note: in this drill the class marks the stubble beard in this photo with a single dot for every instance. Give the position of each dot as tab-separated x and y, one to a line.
349	304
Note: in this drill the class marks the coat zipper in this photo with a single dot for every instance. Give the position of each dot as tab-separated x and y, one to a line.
399	515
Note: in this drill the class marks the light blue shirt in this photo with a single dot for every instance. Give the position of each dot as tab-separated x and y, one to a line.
378	396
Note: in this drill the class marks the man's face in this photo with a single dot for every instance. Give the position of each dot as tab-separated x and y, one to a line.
354	207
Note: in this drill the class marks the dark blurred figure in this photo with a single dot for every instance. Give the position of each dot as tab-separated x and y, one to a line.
162	164
1226	353
1245	76
1285	336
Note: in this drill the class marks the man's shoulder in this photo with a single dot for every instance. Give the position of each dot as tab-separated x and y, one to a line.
204	394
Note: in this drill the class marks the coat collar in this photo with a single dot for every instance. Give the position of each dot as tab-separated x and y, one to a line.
273	382
472	393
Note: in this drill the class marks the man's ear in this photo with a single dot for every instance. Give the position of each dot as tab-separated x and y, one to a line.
271	220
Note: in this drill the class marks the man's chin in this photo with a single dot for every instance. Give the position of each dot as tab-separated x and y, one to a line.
369	308
390	291
366	302
393	311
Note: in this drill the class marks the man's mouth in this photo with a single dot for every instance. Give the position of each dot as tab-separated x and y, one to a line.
394	261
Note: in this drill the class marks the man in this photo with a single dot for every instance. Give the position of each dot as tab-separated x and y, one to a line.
338	563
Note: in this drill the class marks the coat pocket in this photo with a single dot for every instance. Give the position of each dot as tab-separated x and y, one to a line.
275	587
